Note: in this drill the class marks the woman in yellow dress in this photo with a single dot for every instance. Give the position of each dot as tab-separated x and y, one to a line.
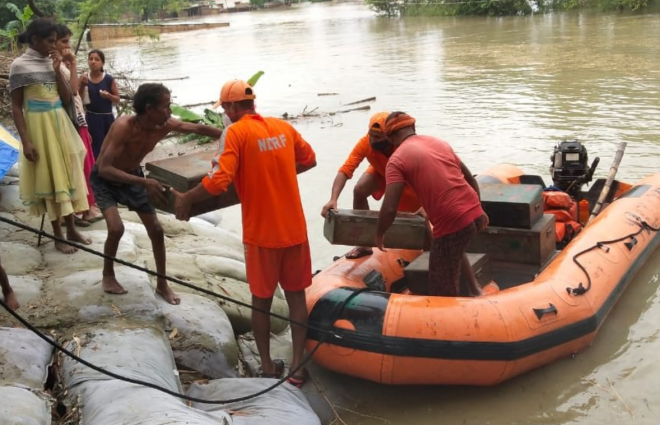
51	179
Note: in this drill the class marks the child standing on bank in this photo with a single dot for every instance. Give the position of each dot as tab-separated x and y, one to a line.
102	92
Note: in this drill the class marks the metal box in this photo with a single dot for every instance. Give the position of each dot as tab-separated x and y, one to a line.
530	246
358	228
416	274
184	173
512	205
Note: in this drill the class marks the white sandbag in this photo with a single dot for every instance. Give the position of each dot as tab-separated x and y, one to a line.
281	347
7	229
24	358
13	171
142	353
120	403
27	290
180	266
64	264
80	297
204	339
283	405
141	236
11	200
19	406
224	267
213	217
172	226
193	244
239	316
18	258
224	237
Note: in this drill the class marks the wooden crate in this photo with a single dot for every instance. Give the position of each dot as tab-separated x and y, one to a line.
358	228
529	246
184	173
512	205
416	274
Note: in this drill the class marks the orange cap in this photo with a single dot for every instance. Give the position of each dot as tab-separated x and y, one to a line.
377	122
235	91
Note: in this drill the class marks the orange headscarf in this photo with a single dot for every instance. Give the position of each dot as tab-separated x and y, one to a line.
377	123
398	122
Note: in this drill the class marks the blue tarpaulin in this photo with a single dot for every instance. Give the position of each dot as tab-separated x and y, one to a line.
9	150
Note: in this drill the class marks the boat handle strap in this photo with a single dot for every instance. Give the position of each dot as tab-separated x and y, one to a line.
540	312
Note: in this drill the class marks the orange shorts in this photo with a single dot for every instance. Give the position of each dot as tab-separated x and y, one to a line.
409	201
291	267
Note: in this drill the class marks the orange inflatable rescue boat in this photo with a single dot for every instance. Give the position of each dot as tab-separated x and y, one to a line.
550	304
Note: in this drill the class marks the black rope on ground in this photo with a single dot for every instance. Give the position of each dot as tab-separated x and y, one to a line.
306	360
168	278
581	289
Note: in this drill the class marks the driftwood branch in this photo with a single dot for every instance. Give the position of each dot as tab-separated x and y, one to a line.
369	99
35	9
82	32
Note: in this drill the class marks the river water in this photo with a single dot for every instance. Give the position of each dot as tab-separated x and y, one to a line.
499	90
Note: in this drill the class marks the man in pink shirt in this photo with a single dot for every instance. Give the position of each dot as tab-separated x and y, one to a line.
449	195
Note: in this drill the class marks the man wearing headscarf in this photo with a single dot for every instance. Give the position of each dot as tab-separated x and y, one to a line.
449	195
375	148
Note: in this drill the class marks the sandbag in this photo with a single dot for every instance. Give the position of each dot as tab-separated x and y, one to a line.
19	259
241	317
223	236
141	236
142	353
204	339
65	264
212	217
191	245
224	267
119	403
79	297
180	266
283	405
19	406
24	358
28	291
281	347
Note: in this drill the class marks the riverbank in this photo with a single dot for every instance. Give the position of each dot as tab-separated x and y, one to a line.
202	348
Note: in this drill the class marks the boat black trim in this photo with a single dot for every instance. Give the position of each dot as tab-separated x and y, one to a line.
367	312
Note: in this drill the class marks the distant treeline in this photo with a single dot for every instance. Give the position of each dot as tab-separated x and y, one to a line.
497	7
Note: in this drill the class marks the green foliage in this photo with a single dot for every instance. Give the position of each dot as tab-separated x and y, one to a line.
495	7
13	28
210	117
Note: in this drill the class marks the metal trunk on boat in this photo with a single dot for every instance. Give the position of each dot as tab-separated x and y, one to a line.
357	227
509	205
530	246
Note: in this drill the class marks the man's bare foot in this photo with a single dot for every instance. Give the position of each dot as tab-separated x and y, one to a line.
75	236
11	300
168	294
65	247
111	286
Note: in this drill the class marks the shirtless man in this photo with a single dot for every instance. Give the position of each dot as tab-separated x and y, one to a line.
117	177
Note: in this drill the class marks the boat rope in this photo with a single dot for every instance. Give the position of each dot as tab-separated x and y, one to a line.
324	332
581	289
158	275
292	372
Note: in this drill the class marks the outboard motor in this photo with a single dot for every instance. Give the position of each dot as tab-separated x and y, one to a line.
570	169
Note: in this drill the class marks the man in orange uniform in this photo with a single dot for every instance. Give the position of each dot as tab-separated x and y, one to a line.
377	150
263	157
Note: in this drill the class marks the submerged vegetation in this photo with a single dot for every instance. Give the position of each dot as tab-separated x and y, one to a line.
497	7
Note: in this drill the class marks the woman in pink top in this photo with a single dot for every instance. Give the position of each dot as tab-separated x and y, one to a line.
449	195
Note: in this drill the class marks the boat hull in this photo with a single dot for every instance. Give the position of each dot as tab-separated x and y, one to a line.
395	338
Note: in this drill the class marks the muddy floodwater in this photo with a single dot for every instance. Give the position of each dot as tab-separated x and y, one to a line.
499	90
